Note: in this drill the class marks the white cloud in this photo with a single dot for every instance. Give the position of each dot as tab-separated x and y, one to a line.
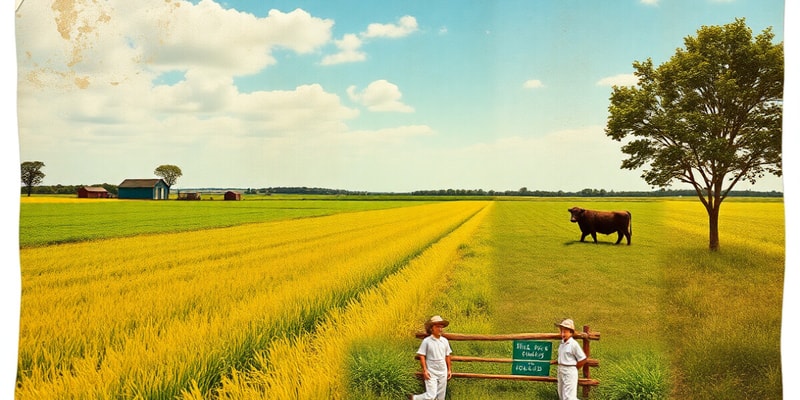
307	110
619	80
533	84
116	40
97	74
380	96
350	44
650	2
405	26
349	51
89	88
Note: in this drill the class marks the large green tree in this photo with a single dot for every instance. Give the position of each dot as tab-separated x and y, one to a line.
32	174
170	173
709	117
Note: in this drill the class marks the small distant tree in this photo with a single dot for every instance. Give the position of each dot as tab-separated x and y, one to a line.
710	116
32	174
170	173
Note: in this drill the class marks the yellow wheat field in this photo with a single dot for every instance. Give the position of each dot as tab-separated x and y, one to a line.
384	311
56	199
154	316
740	224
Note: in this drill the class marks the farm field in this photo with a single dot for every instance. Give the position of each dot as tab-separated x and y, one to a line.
281	308
51	220
674	318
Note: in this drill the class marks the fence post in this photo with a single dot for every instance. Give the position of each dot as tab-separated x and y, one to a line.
587	350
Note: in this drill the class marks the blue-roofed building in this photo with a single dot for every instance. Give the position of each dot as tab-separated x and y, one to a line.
151	189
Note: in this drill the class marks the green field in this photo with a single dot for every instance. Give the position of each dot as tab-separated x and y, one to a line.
705	324
676	320
66	220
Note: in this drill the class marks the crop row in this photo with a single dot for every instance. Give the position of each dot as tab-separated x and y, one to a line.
149	316
312	366
53	220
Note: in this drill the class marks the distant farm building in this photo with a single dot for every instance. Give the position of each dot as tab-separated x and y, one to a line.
93	192
231	195
153	189
188	196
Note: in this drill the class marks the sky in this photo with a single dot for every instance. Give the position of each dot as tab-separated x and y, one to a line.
395	97
497	95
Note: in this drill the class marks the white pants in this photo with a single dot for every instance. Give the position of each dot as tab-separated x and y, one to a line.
436	387
567	382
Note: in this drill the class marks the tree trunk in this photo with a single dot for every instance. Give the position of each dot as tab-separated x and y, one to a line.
713	226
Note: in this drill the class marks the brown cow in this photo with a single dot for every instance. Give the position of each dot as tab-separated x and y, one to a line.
606	222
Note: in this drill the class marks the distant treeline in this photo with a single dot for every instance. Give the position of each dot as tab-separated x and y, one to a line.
520	192
73	189
67	189
586	193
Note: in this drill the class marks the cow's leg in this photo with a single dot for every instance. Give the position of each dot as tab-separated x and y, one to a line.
619	237
628	236
583	235
594	236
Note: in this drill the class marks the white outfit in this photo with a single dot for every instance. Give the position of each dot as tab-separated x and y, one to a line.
569	354
435	352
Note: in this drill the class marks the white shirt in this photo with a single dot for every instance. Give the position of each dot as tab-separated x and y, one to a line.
570	353
434	349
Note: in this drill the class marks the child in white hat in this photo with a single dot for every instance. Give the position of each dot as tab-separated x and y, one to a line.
434	355
571	358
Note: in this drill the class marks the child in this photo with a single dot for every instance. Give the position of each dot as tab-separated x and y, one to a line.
570	359
434	355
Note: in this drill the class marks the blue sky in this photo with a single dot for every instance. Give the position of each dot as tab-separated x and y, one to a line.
400	96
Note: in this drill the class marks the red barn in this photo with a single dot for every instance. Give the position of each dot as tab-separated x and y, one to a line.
93	192
231	195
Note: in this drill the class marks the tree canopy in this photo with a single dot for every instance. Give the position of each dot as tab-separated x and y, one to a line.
170	173
32	174
709	117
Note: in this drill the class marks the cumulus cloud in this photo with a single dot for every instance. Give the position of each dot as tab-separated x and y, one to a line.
380	96
118	84
619	80
99	72
115	40
533	84
350	44
404	27
227	41
306	110
349	51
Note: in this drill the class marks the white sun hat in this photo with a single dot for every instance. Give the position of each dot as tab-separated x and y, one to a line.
437	320
567	323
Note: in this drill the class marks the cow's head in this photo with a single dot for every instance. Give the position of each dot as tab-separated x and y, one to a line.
575	213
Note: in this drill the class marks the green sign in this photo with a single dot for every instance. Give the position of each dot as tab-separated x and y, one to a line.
530	368
534	350
531	357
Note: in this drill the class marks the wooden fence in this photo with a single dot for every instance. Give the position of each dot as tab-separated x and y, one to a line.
586	382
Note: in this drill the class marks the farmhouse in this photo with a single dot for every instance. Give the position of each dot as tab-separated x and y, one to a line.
154	189
231	195
93	192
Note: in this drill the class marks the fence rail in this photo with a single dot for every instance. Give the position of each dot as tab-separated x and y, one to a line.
586	382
